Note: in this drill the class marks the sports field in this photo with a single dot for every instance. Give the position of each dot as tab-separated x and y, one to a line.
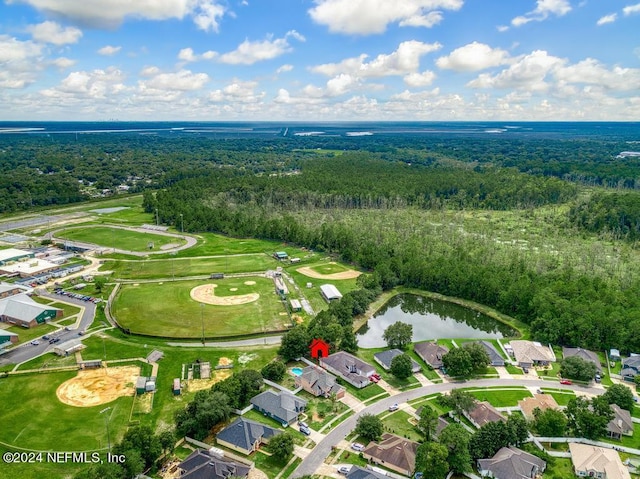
168	309
181	267
118	238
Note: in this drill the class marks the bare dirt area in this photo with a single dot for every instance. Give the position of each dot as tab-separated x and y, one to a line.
249	283
200	384
206	294
98	386
349	274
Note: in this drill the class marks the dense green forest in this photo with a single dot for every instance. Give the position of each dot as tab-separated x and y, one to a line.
41	170
563	302
617	213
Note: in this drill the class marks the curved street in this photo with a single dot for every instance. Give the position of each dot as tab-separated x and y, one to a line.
314	460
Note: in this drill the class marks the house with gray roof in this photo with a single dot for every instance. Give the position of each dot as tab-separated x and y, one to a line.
319	382
511	463
282	406
353	370
384	358
494	356
358	472
630	368
7	338
431	353
21	310
245	436
621	424
202	465
584	354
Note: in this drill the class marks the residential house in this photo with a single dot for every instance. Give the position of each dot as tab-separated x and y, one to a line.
393	452
282	406
358	472
483	413
384	358
530	353
494	356
353	370
441	422
621	424
630	368
319	382
512	463
245	436
600	462
201	464
540	401
583	354
431	353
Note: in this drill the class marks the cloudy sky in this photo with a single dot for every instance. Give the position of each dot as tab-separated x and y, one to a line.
217	60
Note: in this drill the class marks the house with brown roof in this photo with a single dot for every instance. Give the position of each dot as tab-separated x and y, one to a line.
483	413
584	354
531	353
600	462
621	424
540	401
512	463
431	353
319	382
393	452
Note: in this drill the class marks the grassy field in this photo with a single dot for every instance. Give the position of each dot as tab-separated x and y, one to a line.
398	423
561	397
501	397
25	335
181	267
329	268
313	294
118	238
177	315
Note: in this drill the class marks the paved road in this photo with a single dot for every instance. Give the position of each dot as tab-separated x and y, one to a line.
313	461
268	340
28	351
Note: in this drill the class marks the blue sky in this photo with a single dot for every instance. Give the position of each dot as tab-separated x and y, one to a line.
319	60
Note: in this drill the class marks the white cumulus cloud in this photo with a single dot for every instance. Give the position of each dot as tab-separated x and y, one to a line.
544	8
404	60
473	57
182	80
109	50
363	17
63	62
96	84
188	55
631	9
250	52
52	32
111	13
417	80
607	19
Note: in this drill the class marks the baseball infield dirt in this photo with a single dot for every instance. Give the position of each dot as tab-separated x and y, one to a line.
206	294
93	387
349	274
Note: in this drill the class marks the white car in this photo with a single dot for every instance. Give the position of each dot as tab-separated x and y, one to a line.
356	446
393	407
35	342
344	470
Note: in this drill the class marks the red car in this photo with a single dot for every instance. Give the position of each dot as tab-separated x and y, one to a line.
565	381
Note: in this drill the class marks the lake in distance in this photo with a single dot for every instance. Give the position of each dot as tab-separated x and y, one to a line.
431	319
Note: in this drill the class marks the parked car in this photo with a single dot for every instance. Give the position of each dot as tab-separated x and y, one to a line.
393	407
565	381
597	378
356	446
305	430
344	470
303	424
35	342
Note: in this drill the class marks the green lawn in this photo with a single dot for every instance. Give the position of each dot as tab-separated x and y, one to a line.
166	309
363	394
398	423
328	268
67	309
632	441
108	237
511	369
313	294
180	267
37	470
562	398
501	397
25	335
210	244
321	411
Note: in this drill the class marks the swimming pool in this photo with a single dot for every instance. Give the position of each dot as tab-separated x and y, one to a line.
296	371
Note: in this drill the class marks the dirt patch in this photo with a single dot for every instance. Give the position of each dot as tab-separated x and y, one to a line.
169	246
349	274
206	294
98	386
282	314
233	289
249	283
224	361
200	384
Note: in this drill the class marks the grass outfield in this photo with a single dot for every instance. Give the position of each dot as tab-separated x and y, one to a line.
70	428
180	267
118	238
166	309
313	294
329	268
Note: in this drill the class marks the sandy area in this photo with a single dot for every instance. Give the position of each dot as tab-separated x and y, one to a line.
93	387
206	294
200	384
349	274
224	361
249	283
233	289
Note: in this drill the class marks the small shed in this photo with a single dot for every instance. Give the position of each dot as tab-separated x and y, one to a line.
295	305
68	347
614	355
330	292
294	260
280	255
150	385
176	387
141	384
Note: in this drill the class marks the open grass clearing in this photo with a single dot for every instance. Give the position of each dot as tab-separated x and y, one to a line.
25	335
321	411
181	267
511	369
561	397
119	238
138	308
501	397
398	423
67	309
313	294
364	393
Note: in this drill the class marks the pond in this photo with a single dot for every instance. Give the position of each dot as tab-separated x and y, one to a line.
431	319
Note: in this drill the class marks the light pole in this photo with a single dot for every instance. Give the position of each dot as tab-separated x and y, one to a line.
181	223
106	422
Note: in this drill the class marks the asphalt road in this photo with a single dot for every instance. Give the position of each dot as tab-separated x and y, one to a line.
28	351
320	452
